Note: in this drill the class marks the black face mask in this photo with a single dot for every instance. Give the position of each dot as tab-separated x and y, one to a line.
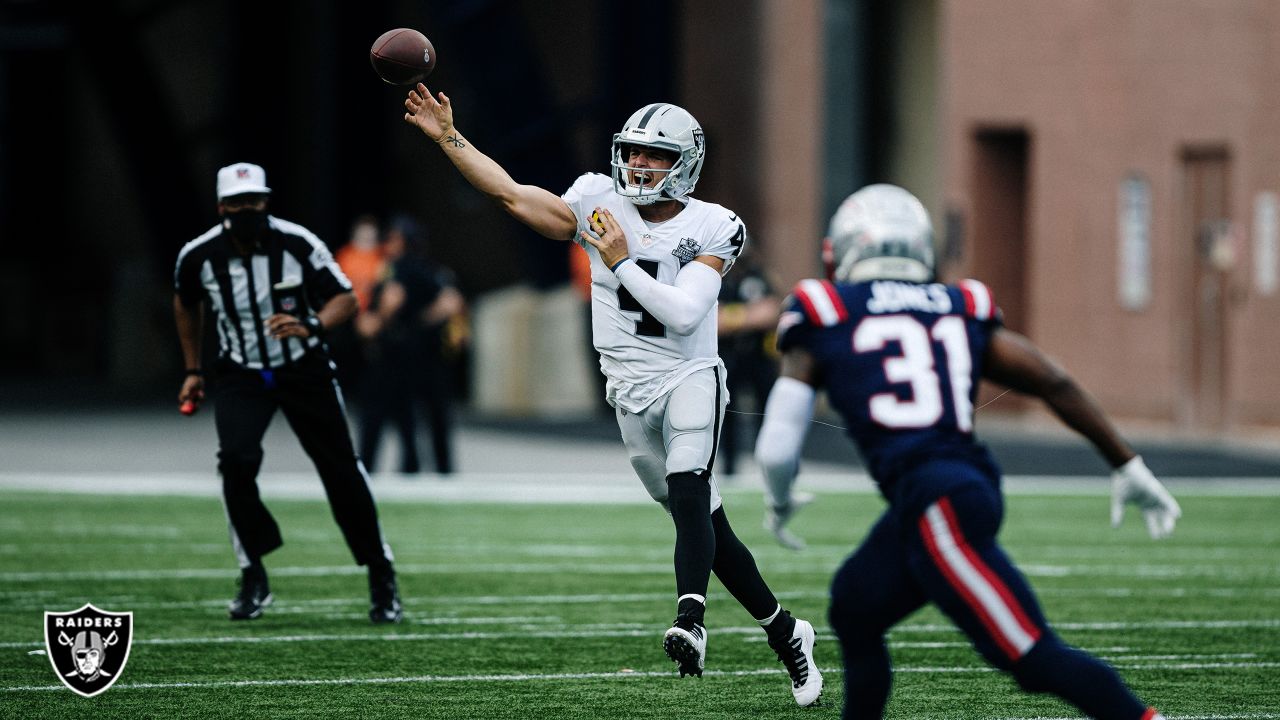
247	226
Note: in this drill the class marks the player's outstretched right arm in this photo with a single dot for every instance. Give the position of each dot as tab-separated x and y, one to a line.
1013	361
543	211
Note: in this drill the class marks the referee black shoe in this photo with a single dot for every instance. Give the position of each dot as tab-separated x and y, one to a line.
254	594
384	596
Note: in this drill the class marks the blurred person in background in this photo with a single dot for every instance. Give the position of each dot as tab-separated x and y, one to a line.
411	330
747	318
901	357
362	262
261	276
362	258
657	257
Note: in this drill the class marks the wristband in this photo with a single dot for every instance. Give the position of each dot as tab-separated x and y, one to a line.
314	326
618	264
195	371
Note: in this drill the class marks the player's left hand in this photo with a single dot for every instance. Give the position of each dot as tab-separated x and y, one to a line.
610	239
776	518
1134	483
283	325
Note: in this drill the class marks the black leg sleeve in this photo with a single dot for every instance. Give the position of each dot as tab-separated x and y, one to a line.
689	495
736	568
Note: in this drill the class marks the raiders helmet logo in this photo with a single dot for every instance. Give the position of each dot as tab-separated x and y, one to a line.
88	648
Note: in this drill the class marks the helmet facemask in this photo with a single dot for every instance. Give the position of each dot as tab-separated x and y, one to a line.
664	127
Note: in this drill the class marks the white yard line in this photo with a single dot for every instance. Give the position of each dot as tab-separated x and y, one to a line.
620	675
559	488
813	564
752	632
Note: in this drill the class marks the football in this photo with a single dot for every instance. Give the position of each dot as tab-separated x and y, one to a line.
402	56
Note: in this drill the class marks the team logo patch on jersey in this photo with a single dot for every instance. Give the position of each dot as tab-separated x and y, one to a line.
687	250
88	648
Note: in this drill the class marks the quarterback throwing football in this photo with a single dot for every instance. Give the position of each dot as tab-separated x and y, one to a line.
657	256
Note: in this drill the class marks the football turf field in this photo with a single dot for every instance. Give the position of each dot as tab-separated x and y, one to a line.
557	611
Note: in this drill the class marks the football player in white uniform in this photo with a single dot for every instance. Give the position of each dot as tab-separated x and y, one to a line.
657	256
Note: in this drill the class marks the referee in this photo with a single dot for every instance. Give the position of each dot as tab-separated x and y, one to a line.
259	275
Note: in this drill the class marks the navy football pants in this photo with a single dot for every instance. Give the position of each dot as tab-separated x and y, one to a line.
937	543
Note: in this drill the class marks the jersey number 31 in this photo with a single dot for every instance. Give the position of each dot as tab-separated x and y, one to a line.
917	367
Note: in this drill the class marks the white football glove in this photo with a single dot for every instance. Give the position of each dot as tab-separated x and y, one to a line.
1134	483
777	516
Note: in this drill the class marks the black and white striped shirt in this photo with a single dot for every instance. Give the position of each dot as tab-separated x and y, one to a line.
238	288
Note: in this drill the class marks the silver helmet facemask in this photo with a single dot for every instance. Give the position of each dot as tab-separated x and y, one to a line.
880	232
665	127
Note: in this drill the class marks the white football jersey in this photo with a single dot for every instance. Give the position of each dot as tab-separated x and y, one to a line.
641	358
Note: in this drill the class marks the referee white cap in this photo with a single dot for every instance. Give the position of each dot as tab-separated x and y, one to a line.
241	178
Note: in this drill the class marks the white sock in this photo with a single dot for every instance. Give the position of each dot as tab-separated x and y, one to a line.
699	598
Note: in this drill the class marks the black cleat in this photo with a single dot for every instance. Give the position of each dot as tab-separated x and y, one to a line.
384	596
253	597
686	644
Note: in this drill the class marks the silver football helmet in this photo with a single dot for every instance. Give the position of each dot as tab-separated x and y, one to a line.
880	232
666	127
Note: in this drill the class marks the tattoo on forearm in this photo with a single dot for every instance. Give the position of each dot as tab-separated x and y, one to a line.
454	141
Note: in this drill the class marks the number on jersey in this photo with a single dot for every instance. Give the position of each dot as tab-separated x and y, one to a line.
647	325
916	366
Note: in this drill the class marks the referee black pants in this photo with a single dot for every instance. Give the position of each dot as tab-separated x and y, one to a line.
309	395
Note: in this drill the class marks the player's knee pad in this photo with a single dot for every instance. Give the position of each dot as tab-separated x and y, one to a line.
653	474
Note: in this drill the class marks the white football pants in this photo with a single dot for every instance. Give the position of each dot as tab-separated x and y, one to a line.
678	432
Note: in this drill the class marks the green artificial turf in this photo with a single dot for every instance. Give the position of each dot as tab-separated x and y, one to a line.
557	611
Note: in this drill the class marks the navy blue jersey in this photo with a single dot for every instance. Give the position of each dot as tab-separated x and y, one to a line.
900	362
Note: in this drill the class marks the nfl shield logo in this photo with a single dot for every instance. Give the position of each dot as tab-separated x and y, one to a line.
88	648
288	304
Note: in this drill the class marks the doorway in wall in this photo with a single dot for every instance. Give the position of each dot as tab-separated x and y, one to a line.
1207	231
998	228
998	225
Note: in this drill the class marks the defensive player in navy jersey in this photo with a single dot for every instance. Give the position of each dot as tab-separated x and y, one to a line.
900	357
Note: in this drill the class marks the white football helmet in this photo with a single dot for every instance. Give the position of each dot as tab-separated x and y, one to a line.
880	232
666	127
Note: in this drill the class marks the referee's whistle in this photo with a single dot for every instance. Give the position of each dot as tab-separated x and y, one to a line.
188	408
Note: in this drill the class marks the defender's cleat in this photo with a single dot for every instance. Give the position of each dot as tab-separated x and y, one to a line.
384	596
686	644
796	653
253	597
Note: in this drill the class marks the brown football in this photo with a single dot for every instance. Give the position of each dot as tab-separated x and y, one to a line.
402	56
